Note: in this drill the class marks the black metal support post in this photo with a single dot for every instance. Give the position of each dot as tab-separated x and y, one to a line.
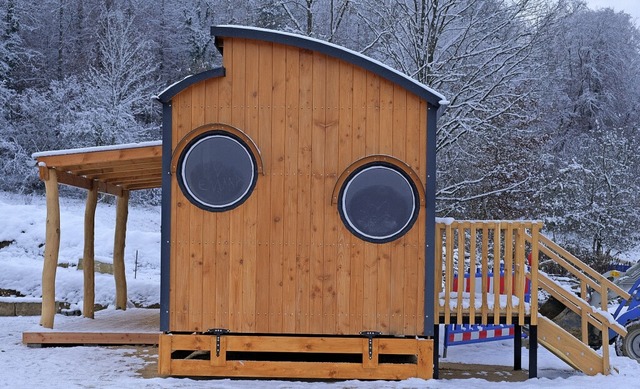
533	351
436	351
517	347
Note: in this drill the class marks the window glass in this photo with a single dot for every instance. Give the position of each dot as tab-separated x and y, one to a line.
217	172
378	203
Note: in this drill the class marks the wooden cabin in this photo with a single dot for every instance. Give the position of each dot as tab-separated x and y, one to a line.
299	236
298	201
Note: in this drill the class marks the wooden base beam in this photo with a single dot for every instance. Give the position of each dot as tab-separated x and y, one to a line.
89	338
262	357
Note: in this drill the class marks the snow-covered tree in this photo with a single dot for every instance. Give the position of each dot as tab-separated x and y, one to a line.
119	88
594	64
480	55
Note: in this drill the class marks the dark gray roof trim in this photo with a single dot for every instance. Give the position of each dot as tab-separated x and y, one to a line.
330	49
179	86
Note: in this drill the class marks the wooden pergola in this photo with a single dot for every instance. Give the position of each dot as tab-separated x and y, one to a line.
114	170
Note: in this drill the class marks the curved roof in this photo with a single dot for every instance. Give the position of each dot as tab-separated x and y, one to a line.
172	90
434	98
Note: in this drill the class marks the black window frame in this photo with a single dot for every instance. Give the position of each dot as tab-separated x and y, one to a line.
360	234
188	193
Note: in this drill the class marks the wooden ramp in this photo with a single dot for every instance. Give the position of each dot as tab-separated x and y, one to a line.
133	326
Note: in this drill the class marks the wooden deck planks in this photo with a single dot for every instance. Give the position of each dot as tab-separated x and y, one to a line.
133	326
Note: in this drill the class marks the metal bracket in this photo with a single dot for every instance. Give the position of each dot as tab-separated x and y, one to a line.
217	332
370	335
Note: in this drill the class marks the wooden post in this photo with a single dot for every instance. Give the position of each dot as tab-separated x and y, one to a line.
51	249
88	256
122	210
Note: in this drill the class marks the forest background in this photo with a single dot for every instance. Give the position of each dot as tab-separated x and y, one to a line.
544	94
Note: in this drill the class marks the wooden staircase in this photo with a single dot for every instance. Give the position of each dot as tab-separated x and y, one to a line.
573	346
487	245
568	348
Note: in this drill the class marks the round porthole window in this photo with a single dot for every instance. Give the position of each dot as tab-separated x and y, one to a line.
378	203
217	171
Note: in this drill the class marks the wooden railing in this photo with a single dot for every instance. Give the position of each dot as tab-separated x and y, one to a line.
482	249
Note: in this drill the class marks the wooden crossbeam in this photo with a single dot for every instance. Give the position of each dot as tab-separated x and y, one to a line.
140	179
151	171
149	185
114	166
85	183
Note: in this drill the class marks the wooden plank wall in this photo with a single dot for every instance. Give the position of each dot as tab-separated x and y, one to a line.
283	262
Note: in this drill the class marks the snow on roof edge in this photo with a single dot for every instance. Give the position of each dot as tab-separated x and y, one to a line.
442	100
95	149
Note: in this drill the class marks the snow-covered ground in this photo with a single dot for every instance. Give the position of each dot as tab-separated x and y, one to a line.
22	222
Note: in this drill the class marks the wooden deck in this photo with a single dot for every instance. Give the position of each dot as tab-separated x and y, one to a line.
110	327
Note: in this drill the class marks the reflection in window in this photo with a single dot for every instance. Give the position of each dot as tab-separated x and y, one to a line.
378	203
217	172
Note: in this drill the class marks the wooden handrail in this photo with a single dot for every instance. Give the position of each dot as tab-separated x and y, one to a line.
585	268
578	305
587	281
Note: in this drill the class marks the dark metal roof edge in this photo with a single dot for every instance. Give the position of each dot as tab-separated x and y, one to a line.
167	94
330	49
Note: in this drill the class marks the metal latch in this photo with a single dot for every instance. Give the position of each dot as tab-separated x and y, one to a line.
370	335
217	332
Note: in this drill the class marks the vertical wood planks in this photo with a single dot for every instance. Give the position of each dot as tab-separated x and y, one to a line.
305	236
448	272
413	253
290	221
237	216
276	252
460	271
485	272
249	246
332	101
196	221
520	269
437	287
180	246
223	236
263	187
283	261
400	261
384	90
508	269
371	252
317	192
345	158
505	242
535	247
472	272
209	266
358	253
497	243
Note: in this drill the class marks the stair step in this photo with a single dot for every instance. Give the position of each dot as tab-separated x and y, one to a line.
568	348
